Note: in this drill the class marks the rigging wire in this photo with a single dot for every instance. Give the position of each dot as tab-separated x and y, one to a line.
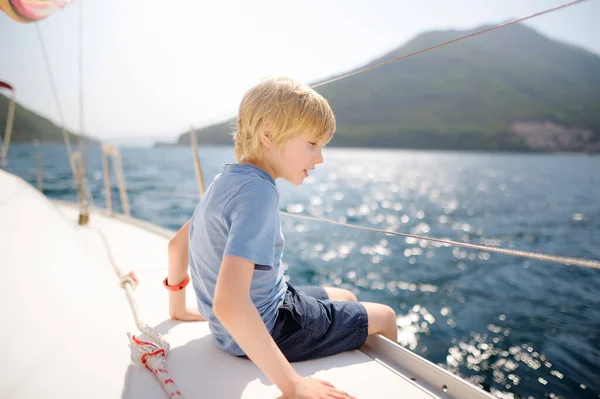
503	25
588	263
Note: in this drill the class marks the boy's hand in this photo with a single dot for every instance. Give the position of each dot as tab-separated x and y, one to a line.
311	388
187	314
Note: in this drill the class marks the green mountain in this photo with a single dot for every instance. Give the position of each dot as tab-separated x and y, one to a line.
510	89
29	126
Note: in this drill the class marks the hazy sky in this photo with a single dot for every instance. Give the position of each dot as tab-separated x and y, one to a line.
151	70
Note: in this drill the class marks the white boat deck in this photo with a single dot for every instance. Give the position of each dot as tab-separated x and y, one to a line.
65	319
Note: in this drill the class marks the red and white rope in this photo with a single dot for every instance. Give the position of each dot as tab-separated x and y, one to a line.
155	360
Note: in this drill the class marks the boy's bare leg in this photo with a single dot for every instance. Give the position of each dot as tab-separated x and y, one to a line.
340	294
382	320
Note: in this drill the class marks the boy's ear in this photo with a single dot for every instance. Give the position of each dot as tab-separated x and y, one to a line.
266	137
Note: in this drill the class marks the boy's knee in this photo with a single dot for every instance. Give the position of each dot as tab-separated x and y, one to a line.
388	317
391	314
350	297
382	320
340	294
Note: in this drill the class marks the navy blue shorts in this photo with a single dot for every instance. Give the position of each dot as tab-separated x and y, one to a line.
310	326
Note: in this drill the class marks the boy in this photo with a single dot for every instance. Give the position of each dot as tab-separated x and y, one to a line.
235	246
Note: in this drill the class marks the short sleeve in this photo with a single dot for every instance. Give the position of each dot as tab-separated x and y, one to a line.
252	220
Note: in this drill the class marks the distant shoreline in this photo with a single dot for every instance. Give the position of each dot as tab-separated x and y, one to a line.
338	147
388	148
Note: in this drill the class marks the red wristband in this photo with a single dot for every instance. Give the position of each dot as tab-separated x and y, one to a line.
177	287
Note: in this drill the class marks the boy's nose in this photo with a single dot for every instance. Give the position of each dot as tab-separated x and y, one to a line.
319	157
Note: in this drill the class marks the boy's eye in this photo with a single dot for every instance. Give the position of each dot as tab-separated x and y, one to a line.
313	144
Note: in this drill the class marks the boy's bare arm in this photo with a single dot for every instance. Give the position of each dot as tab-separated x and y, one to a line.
178	269
234	309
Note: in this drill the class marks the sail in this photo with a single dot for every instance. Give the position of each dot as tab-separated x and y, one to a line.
25	11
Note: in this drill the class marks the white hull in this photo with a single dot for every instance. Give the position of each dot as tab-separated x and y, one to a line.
65	319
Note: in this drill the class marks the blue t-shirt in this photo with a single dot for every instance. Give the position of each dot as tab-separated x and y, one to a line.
238	215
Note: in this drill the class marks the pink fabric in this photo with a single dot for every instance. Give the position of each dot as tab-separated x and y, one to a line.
34	9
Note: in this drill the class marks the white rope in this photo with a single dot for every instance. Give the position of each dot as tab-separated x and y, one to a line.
128	283
52	83
589	263
78	175
80	64
153	354
155	360
87	198
448	42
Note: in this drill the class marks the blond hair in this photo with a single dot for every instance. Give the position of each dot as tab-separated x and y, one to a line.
287	108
